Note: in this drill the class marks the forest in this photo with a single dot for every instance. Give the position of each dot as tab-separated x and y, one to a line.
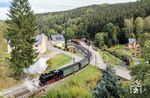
88	21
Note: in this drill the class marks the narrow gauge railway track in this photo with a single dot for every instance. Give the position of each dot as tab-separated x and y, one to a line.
49	78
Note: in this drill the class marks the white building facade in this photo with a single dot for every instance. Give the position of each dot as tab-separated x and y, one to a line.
40	45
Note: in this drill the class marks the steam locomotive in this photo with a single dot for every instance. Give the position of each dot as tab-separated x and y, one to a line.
61	73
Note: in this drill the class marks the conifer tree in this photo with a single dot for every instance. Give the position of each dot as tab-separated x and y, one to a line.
108	86
20	33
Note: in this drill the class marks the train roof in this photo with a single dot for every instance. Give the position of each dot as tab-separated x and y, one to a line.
64	68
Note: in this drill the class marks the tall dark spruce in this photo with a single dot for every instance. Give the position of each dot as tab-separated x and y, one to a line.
108	86
21	32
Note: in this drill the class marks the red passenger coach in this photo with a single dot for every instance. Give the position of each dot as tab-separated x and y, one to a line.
76	41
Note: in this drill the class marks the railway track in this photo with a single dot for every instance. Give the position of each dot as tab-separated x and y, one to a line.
24	91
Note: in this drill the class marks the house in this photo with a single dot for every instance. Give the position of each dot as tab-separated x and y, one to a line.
39	45
131	42
133	45
57	41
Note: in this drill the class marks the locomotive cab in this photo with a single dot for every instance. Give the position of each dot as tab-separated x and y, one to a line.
50	77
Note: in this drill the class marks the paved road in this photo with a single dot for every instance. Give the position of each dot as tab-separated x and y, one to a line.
98	62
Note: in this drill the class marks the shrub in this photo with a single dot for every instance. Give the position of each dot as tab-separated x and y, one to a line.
74	82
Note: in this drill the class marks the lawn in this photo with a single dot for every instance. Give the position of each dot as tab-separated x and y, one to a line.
79	85
109	58
129	52
4	67
77	54
6	78
58	61
123	49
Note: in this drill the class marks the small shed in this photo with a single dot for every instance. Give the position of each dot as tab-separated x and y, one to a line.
71	49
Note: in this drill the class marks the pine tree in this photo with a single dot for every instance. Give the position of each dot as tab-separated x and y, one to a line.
21	32
108	86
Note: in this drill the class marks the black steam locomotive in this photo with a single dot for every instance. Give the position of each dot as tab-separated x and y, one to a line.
61	73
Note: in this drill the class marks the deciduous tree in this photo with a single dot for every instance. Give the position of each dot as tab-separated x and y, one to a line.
147	24
147	50
69	33
143	37
111	31
100	40
128	23
139	26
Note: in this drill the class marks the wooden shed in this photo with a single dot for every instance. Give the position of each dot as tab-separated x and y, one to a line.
71	49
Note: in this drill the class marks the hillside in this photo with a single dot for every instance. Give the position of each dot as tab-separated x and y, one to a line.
87	21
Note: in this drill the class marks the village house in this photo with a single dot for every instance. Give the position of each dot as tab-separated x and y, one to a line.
133	45
39	45
131	42
57	41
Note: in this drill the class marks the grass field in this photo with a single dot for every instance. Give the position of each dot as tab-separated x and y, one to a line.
123	49
5	71
109	58
58	61
6	78
78	86
77	54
